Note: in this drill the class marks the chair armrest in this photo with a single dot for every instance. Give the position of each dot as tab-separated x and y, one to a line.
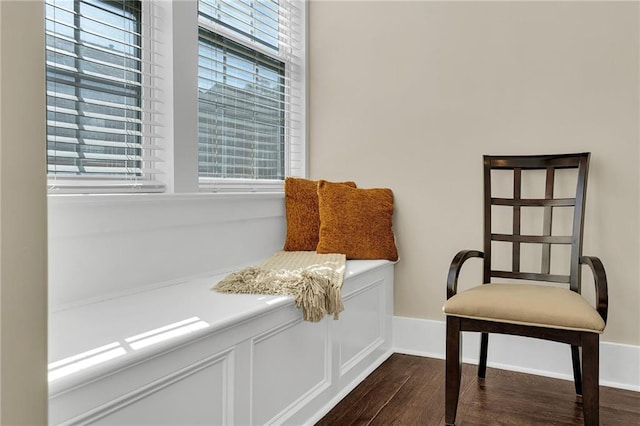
456	267
600	278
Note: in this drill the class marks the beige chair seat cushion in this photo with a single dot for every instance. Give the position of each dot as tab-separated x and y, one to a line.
526	304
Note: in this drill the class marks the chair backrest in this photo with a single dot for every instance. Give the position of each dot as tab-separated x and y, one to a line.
519	166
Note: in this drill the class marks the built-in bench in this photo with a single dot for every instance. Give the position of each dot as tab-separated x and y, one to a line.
179	353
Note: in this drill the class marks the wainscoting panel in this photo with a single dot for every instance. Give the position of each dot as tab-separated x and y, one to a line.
172	401
362	330
149	382
289	364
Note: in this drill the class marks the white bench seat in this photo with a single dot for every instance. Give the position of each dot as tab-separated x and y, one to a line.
110	358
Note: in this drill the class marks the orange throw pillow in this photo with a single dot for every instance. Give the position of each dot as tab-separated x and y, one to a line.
356	222
303	220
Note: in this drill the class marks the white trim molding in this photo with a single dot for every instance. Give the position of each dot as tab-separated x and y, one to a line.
619	363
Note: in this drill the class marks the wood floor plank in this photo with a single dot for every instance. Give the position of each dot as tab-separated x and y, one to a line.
362	404
404	409
409	390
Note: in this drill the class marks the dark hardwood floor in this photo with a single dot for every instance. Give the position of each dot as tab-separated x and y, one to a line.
409	390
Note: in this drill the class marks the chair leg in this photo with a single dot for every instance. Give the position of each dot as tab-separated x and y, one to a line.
590	376
453	372
482	365
577	369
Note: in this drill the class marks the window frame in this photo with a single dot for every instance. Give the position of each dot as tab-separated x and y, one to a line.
295	149
147	181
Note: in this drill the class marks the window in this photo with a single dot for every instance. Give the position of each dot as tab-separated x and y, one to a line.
240	111
100	119
249	90
128	81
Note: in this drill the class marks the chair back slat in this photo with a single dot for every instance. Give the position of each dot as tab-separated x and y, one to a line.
534	202
517	220
549	164
556	278
561	161
548	216
532	239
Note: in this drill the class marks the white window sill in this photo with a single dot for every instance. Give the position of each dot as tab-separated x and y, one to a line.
101	186
128	198
240	185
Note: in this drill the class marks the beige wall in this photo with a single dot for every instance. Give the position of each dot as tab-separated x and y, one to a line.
23	248
410	95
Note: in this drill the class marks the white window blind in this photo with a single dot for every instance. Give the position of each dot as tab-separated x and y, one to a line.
250	92
102	97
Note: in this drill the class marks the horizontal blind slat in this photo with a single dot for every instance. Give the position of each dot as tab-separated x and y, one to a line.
56	37
286	42
277	28
89	60
67	111
57	8
102	78
97	142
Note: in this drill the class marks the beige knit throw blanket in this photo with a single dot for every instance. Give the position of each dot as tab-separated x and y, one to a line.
314	280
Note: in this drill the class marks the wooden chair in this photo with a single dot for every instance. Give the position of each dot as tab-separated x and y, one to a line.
535	310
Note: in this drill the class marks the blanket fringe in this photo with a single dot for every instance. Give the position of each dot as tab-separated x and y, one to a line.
314	293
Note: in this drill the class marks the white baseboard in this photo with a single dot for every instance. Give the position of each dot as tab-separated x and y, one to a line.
619	364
